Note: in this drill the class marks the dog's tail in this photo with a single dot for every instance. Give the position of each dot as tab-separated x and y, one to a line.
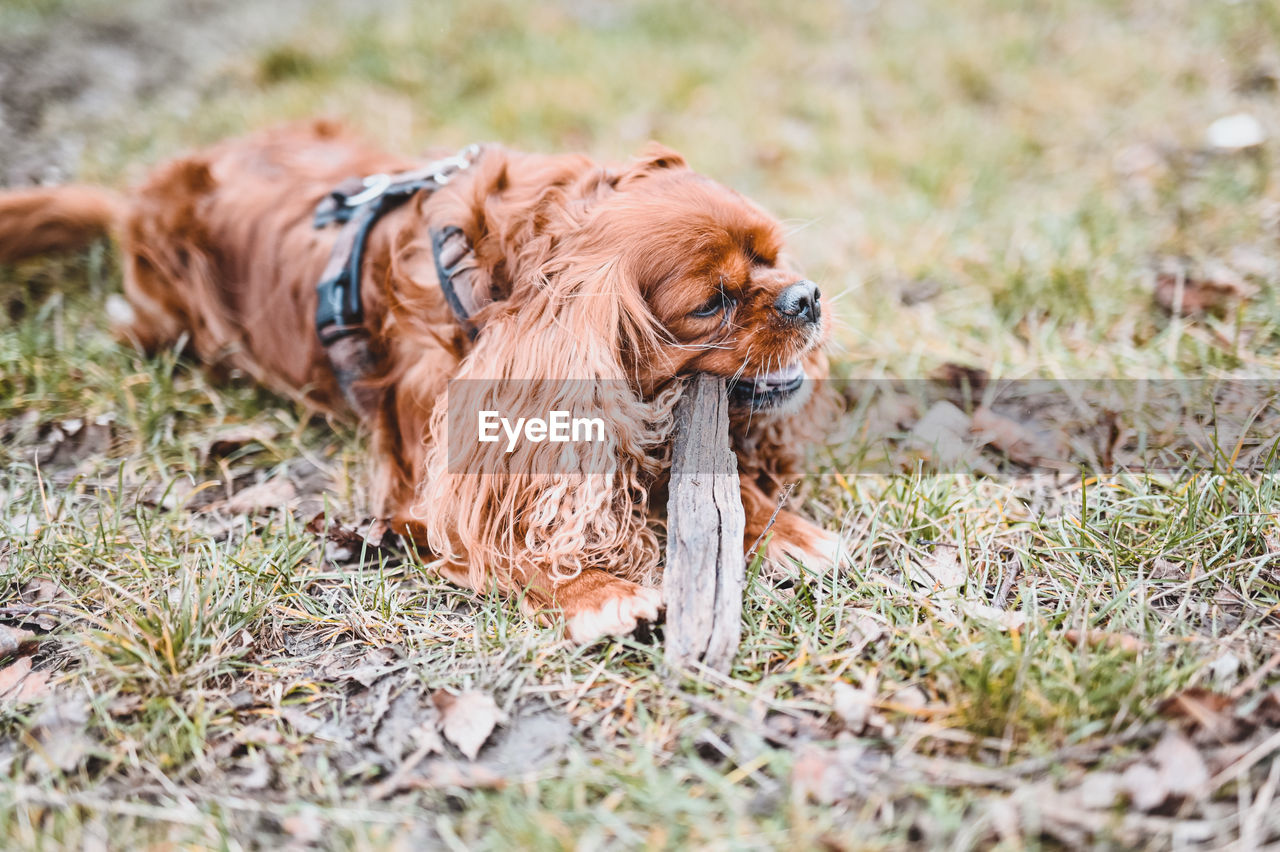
48	219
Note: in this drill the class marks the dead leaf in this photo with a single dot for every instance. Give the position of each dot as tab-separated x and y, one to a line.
941	572
345	544
35	687
528	742
254	772
1098	790
20	685
181	492
273	494
1254	262
1214	289
1225	669
443	774
1106	639
1174	770
830	775
35	594
853	706
1210	715
15	640
23	524
263	734
372	667
1020	443
467	719
406	726
816	775
428	743
42	590
72	441
961	377
1004	619
942	578
791	725
1165	569
231	438
1140	162
919	291
300	721
61	739
1182	769
909	699
12	675
125	705
864	631
304	828
1141	782
942	436
367	675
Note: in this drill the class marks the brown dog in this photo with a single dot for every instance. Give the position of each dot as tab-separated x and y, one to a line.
618	281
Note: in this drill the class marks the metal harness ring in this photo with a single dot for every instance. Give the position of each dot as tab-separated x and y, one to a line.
374	186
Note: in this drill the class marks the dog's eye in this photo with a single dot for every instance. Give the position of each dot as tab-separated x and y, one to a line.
718	303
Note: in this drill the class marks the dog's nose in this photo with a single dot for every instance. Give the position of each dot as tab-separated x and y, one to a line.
800	302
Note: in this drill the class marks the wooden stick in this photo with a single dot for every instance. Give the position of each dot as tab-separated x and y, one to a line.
706	572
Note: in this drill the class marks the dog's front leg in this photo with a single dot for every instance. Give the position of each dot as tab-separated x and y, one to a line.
791	537
593	604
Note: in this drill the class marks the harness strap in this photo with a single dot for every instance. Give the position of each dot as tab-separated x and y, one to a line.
357	204
455	269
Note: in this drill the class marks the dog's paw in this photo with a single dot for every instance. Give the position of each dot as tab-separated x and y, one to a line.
615	609
818	549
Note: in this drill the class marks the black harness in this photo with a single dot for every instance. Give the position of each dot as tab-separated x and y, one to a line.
357	204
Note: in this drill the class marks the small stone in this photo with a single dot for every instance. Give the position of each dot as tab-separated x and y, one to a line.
1236	132
1225	668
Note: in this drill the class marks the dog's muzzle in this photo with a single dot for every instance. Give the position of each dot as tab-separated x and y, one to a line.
768	390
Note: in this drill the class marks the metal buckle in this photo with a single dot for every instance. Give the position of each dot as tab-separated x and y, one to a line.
374	186
448	167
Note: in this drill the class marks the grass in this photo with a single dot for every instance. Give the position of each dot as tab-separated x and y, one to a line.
1033	160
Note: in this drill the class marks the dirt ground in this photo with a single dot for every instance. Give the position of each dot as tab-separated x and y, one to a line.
63	74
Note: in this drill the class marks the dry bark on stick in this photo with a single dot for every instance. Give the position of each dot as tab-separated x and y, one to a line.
705	572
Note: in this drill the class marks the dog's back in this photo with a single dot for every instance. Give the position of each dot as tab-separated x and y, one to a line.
216	246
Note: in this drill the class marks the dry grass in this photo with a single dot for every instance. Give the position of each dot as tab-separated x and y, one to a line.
220	676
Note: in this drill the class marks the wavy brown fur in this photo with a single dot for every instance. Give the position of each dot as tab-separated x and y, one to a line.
42	220
600	273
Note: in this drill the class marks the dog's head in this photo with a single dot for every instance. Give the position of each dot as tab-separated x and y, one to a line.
614	283
717	286
652	272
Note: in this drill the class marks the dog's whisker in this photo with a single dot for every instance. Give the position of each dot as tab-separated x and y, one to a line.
837	345
701	347
842	293
742	368
797	228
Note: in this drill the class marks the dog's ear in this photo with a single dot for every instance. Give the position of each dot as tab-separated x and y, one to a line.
521	508
657	156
